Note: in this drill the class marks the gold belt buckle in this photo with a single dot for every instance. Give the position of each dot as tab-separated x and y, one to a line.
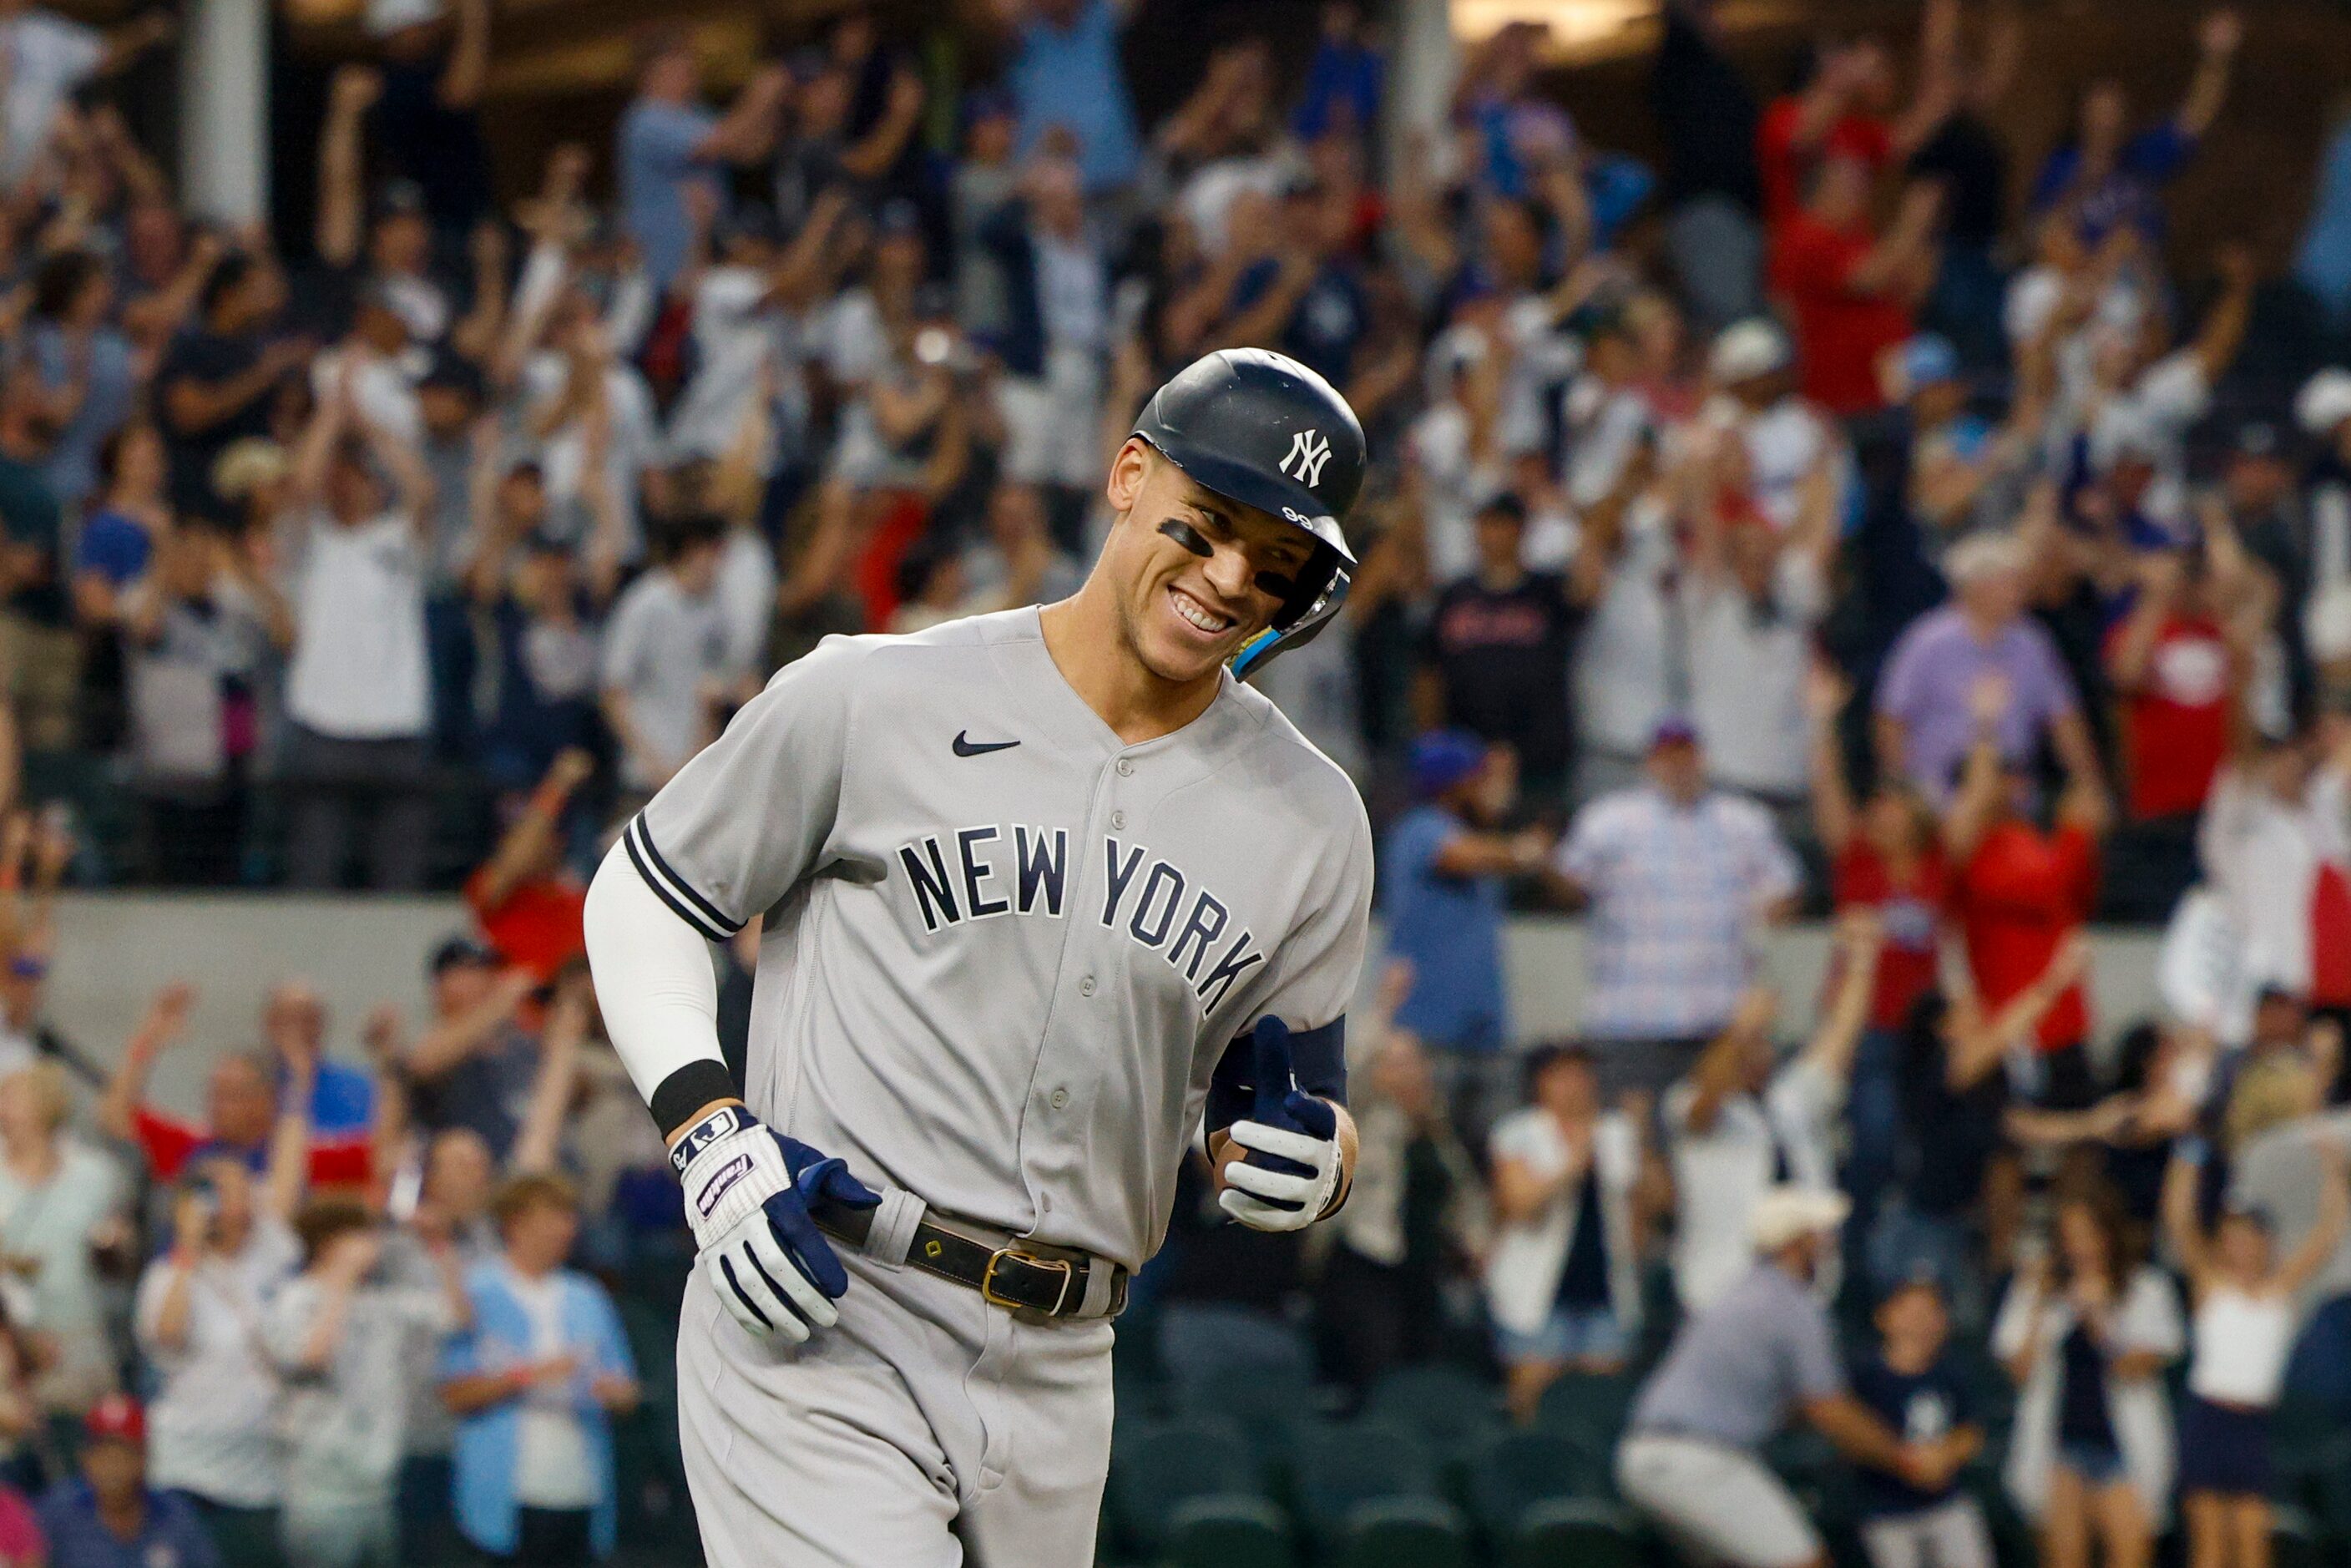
987	1279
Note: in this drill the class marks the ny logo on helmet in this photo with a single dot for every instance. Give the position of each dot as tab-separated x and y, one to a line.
1310	452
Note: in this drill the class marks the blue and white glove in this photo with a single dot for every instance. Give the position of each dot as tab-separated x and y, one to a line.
1288	1168
748	1192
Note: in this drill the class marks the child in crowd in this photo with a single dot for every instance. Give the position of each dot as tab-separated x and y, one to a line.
2245	1319
1914	1384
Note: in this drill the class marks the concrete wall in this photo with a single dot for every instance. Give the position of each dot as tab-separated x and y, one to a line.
115	949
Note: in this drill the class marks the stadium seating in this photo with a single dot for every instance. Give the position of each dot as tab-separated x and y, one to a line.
1590	1409
1337	1467
1228	1532
1577	1533
1517	1472
1402	1532
1158	1466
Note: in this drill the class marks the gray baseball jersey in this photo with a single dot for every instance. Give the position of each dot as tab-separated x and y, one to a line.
1004	951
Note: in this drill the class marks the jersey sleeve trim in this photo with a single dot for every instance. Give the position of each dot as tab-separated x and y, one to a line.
672	889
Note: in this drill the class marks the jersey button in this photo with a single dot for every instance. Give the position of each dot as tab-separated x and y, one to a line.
1061	1099
1125	767
1118	820
1086	987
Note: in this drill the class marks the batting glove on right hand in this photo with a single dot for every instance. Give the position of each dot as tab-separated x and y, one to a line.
748	1191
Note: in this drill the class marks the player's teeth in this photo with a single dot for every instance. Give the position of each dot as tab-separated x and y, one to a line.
1197	616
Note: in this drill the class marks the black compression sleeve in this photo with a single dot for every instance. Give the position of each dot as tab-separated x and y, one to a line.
688	1089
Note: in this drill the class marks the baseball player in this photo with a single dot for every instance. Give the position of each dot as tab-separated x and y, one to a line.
1042	893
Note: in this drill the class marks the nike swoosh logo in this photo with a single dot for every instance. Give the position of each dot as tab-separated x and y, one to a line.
966	746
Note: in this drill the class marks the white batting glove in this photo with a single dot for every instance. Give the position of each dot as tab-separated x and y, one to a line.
1287	1197
1288	1168
748	1191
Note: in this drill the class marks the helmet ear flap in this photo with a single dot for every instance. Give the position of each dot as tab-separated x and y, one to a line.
1317	602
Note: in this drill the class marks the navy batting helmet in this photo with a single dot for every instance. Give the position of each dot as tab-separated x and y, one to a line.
1262	429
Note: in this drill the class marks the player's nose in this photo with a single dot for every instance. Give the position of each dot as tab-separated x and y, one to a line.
1227	572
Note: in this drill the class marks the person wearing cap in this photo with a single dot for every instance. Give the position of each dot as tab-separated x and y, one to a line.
1763	1356
1964	471
1679	878
1752	372
475	1063
1498	641
1849	289
1447	864
667	143
108	1517
1925	724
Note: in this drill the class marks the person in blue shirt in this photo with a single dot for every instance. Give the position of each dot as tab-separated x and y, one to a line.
1446	868
1065	76
669	144
535	1382
2108	179
109	1518
1343	79
1915	1386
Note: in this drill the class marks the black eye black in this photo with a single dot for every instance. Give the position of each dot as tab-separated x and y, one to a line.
1281	585
1185	534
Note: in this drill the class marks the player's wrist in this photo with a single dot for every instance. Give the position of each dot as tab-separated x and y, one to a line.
704	1126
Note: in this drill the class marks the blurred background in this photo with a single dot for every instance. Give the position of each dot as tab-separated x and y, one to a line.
1849	666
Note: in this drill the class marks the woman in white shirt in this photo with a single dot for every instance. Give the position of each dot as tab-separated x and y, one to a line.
2246	1323
1563	1281
202	1308
60	1201
2087	1338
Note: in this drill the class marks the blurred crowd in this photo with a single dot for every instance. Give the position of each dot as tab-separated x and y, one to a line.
1851	510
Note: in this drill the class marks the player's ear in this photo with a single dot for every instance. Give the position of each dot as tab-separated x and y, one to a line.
1128	471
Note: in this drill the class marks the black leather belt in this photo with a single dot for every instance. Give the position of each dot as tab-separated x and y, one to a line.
1018	1275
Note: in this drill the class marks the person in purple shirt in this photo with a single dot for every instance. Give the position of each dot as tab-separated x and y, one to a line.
1946	662
2109	179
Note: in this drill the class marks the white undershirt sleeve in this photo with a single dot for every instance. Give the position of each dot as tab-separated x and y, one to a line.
654	980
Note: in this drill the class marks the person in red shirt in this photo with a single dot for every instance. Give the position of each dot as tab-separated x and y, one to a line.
528	899
242	1106
1848	292
1883	855
1840	109
2175	659
2019	891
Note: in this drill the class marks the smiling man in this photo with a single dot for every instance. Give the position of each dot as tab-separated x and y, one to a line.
1043	893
